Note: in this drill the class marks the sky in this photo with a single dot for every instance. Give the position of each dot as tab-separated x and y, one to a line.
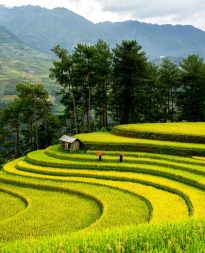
185	12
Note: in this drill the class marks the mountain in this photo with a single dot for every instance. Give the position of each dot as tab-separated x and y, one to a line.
20	63
157	40
41	28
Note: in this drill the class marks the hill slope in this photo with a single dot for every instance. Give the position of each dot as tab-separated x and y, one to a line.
157	40
41	28
20	63
55	193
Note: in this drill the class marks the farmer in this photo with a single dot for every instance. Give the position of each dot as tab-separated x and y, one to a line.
121	156
99	154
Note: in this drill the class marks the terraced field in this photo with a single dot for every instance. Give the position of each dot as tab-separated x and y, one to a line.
193	132
54	193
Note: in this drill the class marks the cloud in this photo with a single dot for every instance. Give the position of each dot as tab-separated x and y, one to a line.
153	8
158	11
44	3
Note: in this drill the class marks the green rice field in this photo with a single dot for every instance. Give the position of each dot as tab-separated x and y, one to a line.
153	201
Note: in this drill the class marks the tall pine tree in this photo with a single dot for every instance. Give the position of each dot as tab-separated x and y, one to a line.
129	63
191	98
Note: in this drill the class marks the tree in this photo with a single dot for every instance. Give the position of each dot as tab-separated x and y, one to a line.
11	118
169	81
152	100
129	77
103	72
27	123
83	76
191	96
35	110
5	145
49	132
62	73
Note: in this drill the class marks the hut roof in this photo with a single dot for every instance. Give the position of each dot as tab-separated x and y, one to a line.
67	138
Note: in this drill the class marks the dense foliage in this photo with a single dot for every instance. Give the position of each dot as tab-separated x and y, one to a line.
103	87
27	123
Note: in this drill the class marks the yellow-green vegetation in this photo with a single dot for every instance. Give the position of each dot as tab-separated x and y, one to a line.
8	199
174	237
136	208
149	202
49	213
173	201
181	131
112	142
184	128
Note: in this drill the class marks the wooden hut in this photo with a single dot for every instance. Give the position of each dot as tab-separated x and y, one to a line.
69	143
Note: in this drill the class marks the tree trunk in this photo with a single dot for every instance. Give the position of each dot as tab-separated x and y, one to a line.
89	108
75	116
105	120
31	134
36	127
168	105
17	140
172	100
46	125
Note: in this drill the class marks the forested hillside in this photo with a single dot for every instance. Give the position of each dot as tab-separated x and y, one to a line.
20	63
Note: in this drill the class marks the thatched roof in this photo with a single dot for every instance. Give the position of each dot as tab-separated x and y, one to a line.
67	138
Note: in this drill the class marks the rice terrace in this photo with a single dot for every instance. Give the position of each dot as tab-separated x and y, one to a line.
153	200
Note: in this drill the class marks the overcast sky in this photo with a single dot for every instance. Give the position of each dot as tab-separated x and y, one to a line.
153	11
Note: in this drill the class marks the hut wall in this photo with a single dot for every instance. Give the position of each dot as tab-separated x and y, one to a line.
75	146
63	144
70	146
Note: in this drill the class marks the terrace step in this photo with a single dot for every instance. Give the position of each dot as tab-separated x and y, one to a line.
171	201
108	141
180	132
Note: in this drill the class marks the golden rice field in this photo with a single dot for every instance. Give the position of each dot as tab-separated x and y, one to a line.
193	132
55	201
185	128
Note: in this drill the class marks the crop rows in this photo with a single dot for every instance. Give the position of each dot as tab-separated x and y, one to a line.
126	172
138	185
56	192
180	132
9	198
109	199
108	141
145	174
